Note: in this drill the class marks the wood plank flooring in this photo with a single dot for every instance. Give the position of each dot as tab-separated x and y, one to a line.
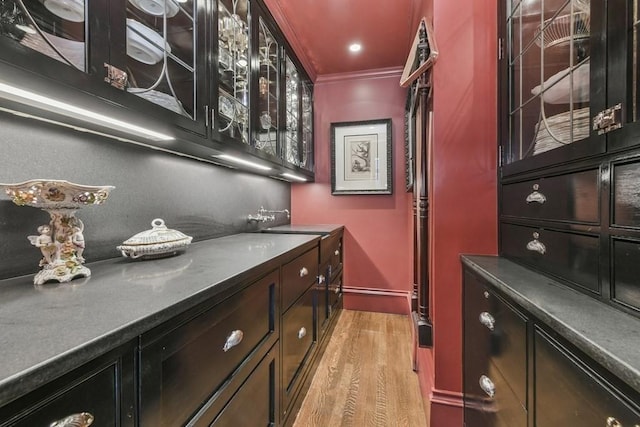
365	376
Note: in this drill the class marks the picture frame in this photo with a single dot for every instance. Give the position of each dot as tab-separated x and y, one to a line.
361	157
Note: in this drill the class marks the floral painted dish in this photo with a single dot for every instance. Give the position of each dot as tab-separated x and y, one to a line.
158	242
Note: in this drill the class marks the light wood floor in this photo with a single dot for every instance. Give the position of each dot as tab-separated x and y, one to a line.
365	376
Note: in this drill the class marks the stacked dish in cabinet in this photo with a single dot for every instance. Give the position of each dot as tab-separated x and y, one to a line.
568	34
161	53
52	27
550	73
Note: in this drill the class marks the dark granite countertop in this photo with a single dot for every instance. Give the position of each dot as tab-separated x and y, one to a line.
50	329
608	335
304	229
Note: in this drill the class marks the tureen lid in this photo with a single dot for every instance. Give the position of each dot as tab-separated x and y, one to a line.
158	234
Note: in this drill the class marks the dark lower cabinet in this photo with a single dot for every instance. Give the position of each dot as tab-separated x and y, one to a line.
569	393
298	340
518	372
187	366
255	403
244	357
101	391
495	358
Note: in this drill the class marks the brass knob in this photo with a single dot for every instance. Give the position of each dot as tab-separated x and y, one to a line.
303	271
337	252
302	332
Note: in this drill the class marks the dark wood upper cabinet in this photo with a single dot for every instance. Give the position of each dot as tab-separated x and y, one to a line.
212	73
552	66
570	143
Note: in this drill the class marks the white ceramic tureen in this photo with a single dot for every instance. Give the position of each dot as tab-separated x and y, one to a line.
158	242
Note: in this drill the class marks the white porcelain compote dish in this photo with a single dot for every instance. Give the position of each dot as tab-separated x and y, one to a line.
61	241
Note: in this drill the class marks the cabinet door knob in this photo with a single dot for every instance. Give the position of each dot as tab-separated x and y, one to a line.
487	386
82	419
321	279
612	422
488	320
337	252
302	332
536	245
303	271
536	196
233	340
337	289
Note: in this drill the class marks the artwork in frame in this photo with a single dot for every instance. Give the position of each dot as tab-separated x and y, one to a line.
361	157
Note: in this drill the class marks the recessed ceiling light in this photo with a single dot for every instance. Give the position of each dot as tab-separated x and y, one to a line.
355	47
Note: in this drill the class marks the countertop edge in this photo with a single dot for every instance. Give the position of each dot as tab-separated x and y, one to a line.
19	384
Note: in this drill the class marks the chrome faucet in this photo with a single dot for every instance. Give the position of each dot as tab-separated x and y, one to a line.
265	215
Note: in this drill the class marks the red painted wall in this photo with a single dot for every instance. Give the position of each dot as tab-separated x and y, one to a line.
463	199
377	250
463	193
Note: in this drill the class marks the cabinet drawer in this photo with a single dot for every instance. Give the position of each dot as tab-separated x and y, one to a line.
322	299
331	251
335	292
626	198
571	197
102	390
183	368
494	333
566	393
297	276
297	339
507	410
569	256
625	263
254	404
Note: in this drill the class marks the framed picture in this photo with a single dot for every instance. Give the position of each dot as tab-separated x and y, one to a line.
361	160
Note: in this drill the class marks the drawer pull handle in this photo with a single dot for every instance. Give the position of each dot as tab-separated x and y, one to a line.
612	422
321	279
303	271
336	253
487	320
486	294
82	419
536	197
487	386
302	333
233	340
536	245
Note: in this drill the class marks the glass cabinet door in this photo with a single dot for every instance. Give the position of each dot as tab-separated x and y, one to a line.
623	100
161	53
53	28
550	79
233	69
266	131
292	104
307	126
